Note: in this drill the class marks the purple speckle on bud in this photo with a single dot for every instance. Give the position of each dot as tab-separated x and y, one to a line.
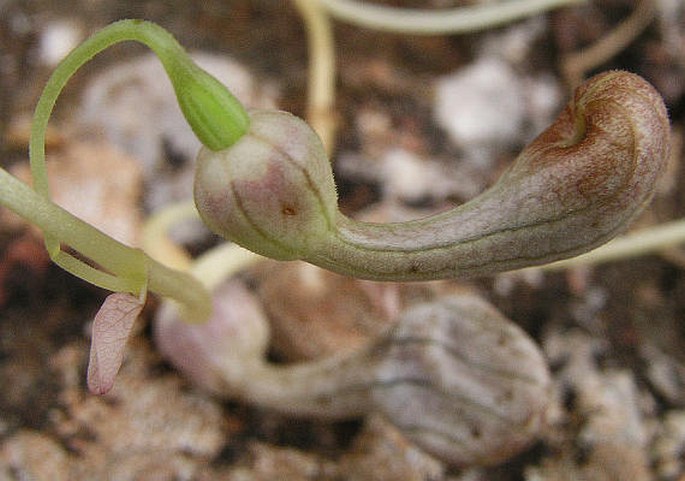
273	191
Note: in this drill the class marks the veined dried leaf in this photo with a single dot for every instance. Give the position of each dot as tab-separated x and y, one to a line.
111	329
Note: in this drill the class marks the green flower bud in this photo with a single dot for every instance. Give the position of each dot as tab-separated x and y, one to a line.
272	191
215	115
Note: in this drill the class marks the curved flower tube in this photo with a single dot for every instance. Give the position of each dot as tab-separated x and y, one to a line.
438	21
572	189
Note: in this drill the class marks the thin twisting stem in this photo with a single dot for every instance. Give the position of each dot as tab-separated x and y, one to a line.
120	268
160	41
576	64
439	21
122	262
156	241
321	88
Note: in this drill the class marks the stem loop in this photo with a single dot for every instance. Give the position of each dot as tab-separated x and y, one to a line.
216	117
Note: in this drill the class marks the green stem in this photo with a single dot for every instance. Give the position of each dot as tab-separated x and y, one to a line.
103	250
120	31
217	118
215	115
224	117
195	300
86	239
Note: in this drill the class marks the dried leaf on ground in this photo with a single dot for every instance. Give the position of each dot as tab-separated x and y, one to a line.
111	330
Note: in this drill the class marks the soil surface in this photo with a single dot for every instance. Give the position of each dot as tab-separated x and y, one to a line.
610	333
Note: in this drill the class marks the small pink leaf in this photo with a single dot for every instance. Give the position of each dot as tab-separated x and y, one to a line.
111	330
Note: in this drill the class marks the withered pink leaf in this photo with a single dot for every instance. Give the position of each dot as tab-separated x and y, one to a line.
111	329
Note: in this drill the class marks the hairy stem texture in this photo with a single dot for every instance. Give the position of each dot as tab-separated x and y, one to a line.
572	189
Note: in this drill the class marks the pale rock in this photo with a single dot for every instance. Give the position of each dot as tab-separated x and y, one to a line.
481	106
381	452
412	178
97	183
489	106
268	463
57	39
669	445
29	455
147	428
613	438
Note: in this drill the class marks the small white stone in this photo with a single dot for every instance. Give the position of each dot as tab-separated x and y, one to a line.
57	39
411	178
406	175
544	98
481	105
514	43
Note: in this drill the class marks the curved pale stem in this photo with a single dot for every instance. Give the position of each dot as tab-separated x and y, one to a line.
221	262
117	267
438	21
321	83
576	64
212	267
156	240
